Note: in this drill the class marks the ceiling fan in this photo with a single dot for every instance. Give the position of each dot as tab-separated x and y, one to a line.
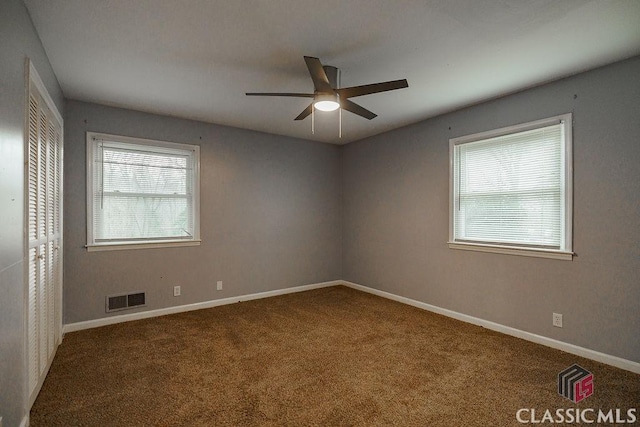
328	96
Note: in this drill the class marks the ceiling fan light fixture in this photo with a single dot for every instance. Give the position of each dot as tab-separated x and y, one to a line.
326	103
329	96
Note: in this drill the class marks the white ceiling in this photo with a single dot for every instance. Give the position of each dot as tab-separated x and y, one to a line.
196	58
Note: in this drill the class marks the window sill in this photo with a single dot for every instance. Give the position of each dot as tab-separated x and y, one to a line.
511	250
139	245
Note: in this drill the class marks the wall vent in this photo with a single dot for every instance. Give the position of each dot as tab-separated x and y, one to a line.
125	301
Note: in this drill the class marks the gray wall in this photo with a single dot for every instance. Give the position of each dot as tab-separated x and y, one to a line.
270	216
396	217
18	40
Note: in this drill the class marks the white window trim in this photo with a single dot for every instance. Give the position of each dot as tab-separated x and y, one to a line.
567	253
92	246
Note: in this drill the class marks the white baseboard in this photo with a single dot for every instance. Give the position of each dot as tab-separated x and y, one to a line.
78	326
618	362
538	339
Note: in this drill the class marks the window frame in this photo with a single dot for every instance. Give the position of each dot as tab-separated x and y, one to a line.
92	245
566	250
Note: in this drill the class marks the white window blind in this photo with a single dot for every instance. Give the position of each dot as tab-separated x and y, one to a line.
510	187
142	191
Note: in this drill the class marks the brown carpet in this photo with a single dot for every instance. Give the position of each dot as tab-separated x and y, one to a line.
327	357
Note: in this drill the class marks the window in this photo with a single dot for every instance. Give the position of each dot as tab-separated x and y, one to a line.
511	190
141	193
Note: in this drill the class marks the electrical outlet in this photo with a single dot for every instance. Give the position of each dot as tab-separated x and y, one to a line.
176	291
557	320
219	285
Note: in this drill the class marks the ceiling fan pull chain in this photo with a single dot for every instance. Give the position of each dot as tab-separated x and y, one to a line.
338	86
313	120
340	124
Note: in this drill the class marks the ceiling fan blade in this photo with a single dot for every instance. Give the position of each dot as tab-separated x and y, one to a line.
305	113
350	92
357	109
318	75
296	95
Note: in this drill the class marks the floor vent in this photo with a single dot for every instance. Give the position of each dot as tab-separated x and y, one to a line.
125	301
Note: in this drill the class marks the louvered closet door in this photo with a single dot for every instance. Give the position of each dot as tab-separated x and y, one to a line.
44	234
